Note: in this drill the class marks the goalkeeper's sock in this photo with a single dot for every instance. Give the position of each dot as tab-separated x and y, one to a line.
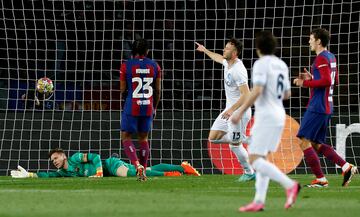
151	172
313	161
130	151
270	170
331	154
167	168
261	187
243	157
144	153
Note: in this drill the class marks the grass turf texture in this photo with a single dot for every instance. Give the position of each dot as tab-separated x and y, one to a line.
208	195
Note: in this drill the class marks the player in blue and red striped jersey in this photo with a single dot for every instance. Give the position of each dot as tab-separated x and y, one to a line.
312	132
141	78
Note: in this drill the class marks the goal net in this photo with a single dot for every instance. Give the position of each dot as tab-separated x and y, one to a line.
80	45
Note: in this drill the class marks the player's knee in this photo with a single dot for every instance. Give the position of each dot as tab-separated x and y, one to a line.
122	171
305	144
316	146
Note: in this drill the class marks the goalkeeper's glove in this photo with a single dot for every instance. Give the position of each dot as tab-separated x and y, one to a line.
21	173
99	173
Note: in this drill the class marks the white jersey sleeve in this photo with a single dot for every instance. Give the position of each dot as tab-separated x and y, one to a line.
241	76
259	75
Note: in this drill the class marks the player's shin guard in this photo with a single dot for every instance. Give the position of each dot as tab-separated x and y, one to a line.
144	153
130	151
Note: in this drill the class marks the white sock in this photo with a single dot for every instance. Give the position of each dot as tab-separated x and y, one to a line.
322	179
243	157
270	170
261	186
345	167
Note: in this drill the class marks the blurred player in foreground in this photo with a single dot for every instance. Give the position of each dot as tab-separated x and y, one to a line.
236	90
90	165
270	79
141	78
314	125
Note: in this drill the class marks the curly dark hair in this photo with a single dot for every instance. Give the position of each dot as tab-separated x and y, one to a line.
139	47
266	42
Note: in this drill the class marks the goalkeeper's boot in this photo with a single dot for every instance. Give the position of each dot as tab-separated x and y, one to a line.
252	207
291	195
141	173
189	170
348	174
247	177
318	184
172	173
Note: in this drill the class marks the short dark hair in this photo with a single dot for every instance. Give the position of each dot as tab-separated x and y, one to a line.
321	34
266	42
56	150
139	47
237	44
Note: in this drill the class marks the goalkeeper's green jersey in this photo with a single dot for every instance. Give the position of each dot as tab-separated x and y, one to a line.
79	165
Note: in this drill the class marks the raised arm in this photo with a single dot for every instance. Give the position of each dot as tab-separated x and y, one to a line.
214	56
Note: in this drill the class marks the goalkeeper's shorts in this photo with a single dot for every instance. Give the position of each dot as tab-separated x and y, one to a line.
111	165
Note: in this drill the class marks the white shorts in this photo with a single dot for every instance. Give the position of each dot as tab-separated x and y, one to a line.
264	139
227	126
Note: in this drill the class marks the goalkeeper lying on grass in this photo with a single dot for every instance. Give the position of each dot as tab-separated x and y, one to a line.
90	165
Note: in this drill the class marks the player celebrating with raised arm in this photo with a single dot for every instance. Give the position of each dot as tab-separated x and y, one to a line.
236	90
314	124
141	77
270	79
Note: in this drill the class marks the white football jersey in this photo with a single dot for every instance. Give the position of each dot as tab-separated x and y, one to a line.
273	74
233	78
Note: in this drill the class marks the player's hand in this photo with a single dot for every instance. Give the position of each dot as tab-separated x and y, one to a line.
200	47
306	75
98	174
20	173
226	115
298	82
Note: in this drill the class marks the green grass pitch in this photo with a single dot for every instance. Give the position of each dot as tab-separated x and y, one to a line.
208	195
